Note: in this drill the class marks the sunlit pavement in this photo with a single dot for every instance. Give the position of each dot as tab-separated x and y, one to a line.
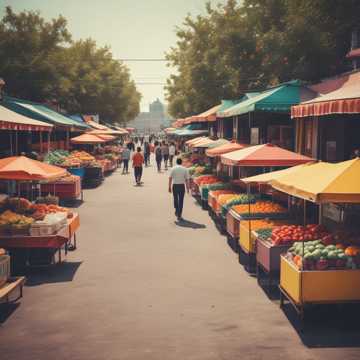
141	287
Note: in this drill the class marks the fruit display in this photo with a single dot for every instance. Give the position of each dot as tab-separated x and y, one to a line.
260	209
56	157
206	180
10	222
288	234
41	210
18	205
68	178
237	200
314	255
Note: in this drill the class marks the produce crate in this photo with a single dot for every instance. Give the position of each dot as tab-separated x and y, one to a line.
247	240
232	224
317	287
80	171
268	255
4	269
63	190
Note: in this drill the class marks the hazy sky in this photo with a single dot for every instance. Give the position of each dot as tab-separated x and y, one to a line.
132	28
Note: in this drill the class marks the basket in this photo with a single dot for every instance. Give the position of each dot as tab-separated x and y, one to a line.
4	269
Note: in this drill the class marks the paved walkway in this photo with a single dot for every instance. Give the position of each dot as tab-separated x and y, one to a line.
141	287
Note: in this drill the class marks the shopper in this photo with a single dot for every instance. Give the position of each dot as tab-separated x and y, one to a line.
178	182
138	161
172	153
165	154
125	155
158	156
147	153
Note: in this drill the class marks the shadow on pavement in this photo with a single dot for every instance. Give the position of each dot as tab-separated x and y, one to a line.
190	224
59	273
6	310
327	326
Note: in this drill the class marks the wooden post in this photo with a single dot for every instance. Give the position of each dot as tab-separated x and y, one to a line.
16	144
48	144
11	143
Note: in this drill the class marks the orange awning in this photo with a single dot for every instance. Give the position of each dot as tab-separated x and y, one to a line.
95	125
87	139
195	140
224	149
22	168
264	155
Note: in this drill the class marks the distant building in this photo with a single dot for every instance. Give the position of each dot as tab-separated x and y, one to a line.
152	121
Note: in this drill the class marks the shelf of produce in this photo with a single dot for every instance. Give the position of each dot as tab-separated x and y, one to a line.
268	254
318	287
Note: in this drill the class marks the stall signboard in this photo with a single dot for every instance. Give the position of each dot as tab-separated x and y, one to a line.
332	212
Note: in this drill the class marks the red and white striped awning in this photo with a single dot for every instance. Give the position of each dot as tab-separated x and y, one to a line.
10	120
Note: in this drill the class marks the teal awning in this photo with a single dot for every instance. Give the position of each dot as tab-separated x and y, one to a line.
41	112
278	99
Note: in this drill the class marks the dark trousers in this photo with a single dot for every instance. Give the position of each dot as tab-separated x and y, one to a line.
126	165
146	159
178	193
158	163
171	158
138	173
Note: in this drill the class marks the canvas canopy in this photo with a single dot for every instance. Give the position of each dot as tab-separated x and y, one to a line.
278	99
273	175
22	168
343	100
10	120
87	139
323	182
224	149
264	155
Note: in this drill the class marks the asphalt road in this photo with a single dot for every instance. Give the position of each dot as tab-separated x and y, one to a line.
141	287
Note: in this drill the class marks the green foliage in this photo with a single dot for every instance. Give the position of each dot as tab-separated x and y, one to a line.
244	46
39	62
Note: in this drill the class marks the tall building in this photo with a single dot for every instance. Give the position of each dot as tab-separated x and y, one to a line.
152	121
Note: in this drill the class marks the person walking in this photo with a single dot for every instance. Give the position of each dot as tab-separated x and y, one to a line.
165	154
138	161
158	156
147	154
178	183
172	153
125	156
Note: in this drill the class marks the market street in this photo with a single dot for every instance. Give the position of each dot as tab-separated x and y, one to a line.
141	287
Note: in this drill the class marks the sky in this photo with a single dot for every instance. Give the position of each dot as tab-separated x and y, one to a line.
134	29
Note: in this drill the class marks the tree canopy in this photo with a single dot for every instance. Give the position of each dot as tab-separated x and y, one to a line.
237	47
39	61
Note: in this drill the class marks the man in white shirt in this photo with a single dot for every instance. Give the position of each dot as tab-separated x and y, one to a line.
178	181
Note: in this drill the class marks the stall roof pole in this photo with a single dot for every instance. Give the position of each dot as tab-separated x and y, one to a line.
41	142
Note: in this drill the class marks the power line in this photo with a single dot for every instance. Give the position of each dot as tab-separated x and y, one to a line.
143	60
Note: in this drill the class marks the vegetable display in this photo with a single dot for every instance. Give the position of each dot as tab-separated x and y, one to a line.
260	209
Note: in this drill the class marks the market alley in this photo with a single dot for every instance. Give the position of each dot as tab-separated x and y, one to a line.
142	287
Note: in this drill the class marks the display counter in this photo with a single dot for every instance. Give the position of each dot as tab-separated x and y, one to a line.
317	287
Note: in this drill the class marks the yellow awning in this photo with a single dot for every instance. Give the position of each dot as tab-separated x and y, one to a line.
323	182
273	175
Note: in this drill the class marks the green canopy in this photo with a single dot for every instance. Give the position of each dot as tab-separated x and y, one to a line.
41	112
278	99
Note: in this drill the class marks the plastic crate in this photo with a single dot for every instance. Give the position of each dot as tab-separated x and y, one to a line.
4	269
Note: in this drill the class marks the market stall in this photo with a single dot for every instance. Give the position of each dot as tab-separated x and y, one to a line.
25	225
256	159
324	270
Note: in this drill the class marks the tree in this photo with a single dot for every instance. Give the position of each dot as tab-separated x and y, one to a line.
245	46
40	62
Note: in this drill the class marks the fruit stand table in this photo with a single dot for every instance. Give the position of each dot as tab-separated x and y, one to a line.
268	258
302	288
56	241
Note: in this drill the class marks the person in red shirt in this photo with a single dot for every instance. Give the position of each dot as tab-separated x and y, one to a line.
138	161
